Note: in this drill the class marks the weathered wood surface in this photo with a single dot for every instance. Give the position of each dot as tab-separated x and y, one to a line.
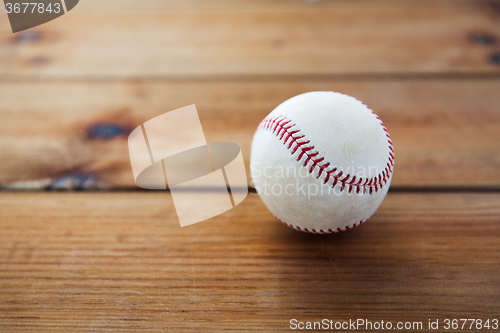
120	63
445	132
71	90
120	262
280	38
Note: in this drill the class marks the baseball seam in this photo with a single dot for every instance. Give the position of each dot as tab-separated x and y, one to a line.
321	231
295	141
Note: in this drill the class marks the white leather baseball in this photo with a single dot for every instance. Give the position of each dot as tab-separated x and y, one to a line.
322	162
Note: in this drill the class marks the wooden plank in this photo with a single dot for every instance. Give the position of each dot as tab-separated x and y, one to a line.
381	38
120	262
445	132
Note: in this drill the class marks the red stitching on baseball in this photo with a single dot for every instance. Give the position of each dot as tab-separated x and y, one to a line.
280	125
321	231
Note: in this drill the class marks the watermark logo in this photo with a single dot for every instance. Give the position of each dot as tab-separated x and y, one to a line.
170	151
25	14
299	180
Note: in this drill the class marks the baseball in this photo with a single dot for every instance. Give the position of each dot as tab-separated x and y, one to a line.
322	162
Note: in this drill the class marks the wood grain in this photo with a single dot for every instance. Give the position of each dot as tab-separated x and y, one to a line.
120	262
385	37
71	90
445	132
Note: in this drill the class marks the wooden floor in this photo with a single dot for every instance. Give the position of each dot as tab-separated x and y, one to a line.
112	258
120	261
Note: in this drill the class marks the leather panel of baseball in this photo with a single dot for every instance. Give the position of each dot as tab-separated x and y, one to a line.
322	162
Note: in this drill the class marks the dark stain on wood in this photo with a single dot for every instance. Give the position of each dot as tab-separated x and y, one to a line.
495	5
76	181
495	58
483	38
28	37
107	131
109	125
